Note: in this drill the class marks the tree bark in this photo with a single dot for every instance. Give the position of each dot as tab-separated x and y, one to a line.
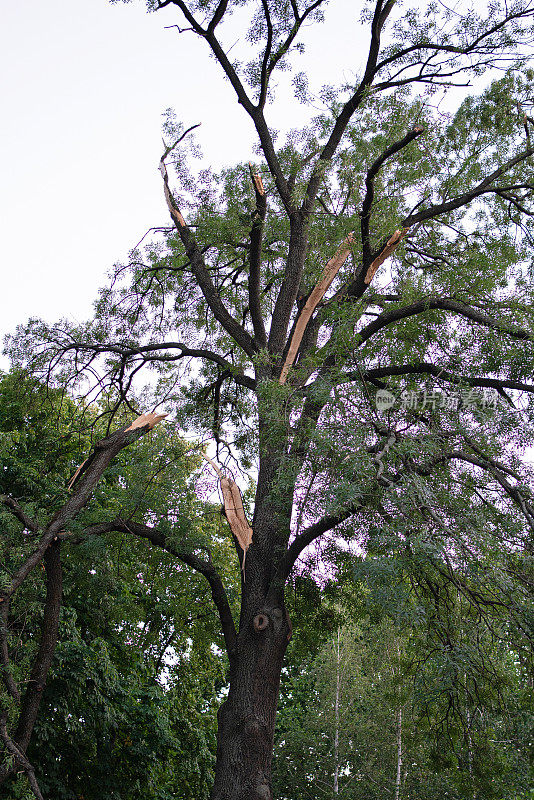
246	719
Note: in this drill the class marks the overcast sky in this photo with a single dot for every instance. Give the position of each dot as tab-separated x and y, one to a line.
85	84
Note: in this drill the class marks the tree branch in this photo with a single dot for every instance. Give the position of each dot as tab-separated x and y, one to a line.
298	247
373	171
253	111
270	60
43	659
381	13
84	483
127	351
205	568
19	758
7	675
198	266
434	47
483	187
322	526
218	15
375	375
255	259
19	513
443	304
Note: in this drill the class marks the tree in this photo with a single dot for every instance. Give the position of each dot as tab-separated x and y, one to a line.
383	245
377	711
134	669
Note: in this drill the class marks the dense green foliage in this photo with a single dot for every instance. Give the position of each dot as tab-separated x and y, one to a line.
465	729
130	704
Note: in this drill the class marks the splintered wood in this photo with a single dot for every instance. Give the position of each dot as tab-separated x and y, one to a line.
233	508
148	420
235	514
73	479
174	212
391	245
329	273
256	179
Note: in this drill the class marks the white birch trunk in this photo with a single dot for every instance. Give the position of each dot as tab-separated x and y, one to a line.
398	777
336	716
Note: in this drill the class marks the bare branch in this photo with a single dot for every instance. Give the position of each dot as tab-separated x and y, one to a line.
444	304
145	351
219	310
376	374
308	535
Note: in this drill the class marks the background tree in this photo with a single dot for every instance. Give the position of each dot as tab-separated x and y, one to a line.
131	695
385	708
382	245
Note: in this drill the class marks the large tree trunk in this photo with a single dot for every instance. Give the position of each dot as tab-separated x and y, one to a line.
247	717
246	720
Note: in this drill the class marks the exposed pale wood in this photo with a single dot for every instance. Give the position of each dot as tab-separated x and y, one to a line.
391	245
235	514
213	464
256	178
73	479
174	212
234	510
149	420
329	273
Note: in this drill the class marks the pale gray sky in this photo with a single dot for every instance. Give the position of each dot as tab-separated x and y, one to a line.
85	84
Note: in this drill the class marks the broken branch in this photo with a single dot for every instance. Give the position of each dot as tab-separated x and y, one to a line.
234	510
391	245
329	273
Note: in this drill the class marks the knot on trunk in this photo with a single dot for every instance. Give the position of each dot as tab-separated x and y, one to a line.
263	792
260	622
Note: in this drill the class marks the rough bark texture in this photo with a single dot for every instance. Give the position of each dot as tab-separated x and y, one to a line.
50	628
247	717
